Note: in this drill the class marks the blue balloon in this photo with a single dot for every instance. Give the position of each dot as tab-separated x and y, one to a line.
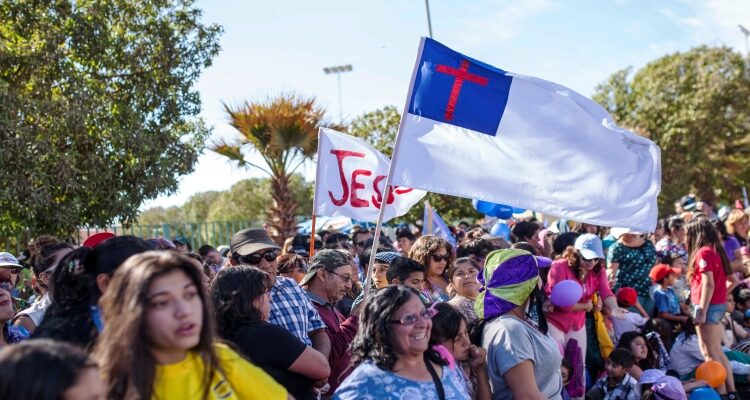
518	210
495	210
500	229
704	393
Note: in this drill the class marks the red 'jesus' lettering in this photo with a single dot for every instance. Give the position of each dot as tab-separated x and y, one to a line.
461	74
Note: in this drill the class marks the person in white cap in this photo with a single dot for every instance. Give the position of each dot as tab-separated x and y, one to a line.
10	263
629	262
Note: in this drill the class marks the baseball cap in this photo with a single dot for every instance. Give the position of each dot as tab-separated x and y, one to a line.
324	259
617	232
669	387
9	260
590	246
627	296
97	238
249	241
661	271
386	257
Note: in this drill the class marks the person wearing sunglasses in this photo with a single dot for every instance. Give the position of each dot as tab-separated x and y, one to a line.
391	354
328	279
582	263
359	239
10	333
290	307
436	254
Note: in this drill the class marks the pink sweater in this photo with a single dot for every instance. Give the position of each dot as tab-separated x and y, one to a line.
565	319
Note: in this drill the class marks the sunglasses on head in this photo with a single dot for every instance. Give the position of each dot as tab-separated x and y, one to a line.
438	257
254	259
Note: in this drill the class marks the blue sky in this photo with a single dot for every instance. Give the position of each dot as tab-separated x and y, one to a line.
283	45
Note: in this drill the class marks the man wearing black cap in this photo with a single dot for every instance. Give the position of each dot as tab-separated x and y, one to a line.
290	307
328	279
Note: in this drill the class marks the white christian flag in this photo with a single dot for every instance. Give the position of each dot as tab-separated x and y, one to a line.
476	131
351	177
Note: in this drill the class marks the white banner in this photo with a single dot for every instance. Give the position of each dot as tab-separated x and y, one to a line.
350	180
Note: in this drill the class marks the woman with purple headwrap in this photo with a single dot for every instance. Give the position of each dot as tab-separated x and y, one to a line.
518	351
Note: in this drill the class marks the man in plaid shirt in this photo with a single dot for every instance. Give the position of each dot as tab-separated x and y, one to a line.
290	307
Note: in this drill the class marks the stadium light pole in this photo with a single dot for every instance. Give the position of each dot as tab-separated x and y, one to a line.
338	70
746	32
429	21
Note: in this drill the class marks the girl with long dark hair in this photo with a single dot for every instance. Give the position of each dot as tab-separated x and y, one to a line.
709	273
242	298
160	342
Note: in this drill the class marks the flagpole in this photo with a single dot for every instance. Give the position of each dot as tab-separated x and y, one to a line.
312	233
427	208
315	195
387	185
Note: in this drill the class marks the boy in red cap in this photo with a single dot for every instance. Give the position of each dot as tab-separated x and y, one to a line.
667	303
669	316
626	298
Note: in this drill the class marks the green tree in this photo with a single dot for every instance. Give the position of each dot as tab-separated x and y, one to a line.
284	132
379	128
98	109
696	106
248	200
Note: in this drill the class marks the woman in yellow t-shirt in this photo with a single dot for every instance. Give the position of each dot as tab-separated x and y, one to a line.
158	340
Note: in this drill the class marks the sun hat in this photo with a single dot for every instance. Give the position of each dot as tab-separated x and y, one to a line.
617	232
508	278
669	387
325	259
9	260
249	241
590	246
651	375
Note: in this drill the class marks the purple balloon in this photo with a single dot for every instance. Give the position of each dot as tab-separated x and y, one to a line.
566	293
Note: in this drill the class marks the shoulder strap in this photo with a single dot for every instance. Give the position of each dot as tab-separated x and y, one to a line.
435	379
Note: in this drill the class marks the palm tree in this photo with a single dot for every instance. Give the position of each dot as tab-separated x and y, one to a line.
284	131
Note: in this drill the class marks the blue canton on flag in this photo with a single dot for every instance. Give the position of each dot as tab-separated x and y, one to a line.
458	90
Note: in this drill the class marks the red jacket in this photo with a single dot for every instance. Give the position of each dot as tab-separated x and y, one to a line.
341	332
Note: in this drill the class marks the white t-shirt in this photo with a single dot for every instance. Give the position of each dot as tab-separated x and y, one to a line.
37	310
510	341
630	322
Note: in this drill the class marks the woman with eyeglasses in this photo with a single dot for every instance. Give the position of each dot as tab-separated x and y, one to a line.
463	274
582	263
436	254
391	355
43	266
241	296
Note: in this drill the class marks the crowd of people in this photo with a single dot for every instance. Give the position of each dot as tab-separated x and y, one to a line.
564	311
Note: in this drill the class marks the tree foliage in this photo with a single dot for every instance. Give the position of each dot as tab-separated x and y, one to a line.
247	200
284	132
98	109
379	128
696	107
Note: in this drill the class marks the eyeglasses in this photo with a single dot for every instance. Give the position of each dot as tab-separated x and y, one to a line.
411	319
254	259
361	243
345	278
591	260
12	270
438	257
